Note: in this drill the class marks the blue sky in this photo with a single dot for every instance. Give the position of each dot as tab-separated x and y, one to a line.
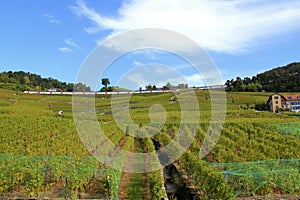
243	37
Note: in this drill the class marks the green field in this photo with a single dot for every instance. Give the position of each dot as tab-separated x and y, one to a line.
41	154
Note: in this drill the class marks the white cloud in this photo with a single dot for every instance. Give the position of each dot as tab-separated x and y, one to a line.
143	75
150	53
52	19
71	43
221	25
70	46
184	66
194	80
92	30
137	63
65	50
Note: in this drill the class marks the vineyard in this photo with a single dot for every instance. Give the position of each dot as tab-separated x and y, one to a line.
42	155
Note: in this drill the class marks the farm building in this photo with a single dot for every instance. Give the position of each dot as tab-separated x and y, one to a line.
278	102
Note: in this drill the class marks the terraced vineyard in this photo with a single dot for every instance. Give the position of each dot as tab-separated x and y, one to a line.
42	154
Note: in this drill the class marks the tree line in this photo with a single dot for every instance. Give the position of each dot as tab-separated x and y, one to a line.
168	86
21	81
280	79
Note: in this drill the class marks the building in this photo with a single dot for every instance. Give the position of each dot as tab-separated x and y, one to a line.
278	102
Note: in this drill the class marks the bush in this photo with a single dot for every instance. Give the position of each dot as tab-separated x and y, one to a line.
260	106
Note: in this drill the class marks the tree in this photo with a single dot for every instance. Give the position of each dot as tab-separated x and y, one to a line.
247	80
80	87
4	78
70	87
105	82
165	88
148	87
169	85
239	84
182	86
26	80
107	89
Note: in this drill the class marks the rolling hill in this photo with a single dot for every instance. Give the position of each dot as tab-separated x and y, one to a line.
280	79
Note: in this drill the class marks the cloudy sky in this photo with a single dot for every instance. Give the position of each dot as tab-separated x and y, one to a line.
242	37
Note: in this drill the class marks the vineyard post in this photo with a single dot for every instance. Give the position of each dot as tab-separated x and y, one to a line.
47	168
67	186
249	136
108	186
50	105
127	130
67	189
24	142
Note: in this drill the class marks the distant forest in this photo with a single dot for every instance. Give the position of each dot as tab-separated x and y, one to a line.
21	81
280	79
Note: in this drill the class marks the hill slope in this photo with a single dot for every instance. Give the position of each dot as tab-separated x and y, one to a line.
280	79
21	81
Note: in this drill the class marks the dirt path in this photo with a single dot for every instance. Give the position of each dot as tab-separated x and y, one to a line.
95	150
208	157
126	177
189	185
147	193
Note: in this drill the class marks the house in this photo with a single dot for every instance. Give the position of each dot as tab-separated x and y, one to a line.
278	102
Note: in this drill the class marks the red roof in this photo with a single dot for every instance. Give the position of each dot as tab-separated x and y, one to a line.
292	97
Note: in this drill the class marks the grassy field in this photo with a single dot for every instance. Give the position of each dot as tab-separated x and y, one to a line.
41	153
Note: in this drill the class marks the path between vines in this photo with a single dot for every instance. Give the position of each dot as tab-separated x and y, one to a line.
126	176
147	194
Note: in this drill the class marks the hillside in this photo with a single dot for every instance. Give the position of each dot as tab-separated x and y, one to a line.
42	154
280	79
21	81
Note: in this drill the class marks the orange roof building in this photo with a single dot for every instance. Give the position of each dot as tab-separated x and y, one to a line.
277	102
